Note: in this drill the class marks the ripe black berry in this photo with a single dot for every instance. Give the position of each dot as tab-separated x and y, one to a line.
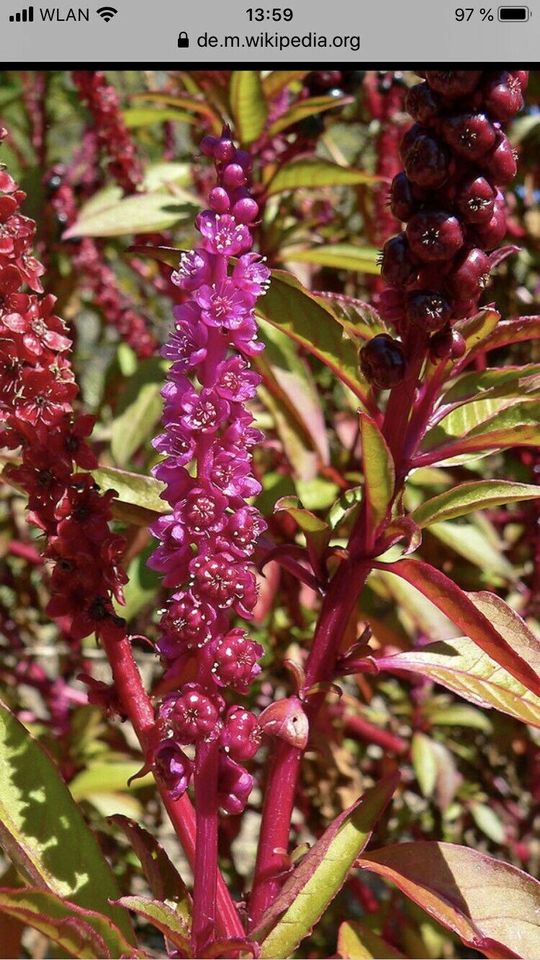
382	362
476	200
426	162
446	343
453	83
402	201
397	267
434	235
503	97
493	232
319	81
422	103
501	162
471	135
428	309
470	275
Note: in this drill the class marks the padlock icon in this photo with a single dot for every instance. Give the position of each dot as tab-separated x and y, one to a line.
183	39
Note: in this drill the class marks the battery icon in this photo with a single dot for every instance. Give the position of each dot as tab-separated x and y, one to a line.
513	14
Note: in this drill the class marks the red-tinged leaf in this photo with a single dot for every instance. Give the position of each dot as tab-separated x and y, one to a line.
200	107
172	925
163	878
492	906
234	945
357	942
358	318
80	932
492	636
379	471
313	172
315	530
512	331
460	666
471	496
306	108
293	310
320	874
277	80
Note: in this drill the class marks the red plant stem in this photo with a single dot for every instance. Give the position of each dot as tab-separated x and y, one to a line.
343	593
356	726
206	864
137	705
401	400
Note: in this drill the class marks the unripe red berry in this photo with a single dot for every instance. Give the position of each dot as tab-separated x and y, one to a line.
501	162
397	267
208	145
422	103
492	233
469	276
522	76
233	176
402	200
503	97
193	716
426	162
446	343
471	135
245	210
434	235
428	309
219	200
382	361
241	735
476	200
453	83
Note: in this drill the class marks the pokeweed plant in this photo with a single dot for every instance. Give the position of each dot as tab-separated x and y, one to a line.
412	376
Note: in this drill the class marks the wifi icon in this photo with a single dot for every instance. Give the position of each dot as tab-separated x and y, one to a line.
107	13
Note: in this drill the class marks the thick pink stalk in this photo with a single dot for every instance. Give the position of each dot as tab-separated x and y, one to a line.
136	703
205	874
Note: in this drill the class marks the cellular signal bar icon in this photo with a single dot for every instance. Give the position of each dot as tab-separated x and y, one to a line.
24	16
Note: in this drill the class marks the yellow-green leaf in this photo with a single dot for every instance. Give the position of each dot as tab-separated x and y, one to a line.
357	942
315	172
138	498
379	470
248	105
342	256
474	495
141	213
306	108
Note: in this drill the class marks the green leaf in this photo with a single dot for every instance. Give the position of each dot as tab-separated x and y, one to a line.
476	547
488	822
342	256
306	108
320	874
460	666
163	878
357	942
474	495
498	381
277	80
138	498
42	830
379	471
424	761
358	318
293	310
166	919
80	932
248	105
483	617
135	117
141	213
201	107
475	431
460	715
490	905
104	777
315	172
142	586
315	530
136	424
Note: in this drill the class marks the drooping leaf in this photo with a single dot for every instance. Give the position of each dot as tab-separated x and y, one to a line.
483	617
320	874
138	499
379	470
357	942
488	822
424	762
460	666
277	80
107	777
476	547
342	256
42	830
474	495
80	932
248	104
293	310
492	906
136	423
141	213
315	172
172	925
306	108
162	876
316	531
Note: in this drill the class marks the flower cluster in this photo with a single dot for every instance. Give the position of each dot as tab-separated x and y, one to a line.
95	274
37	391
113	135
455	156
208	538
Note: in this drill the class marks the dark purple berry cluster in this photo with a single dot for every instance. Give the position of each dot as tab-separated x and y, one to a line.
456	158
